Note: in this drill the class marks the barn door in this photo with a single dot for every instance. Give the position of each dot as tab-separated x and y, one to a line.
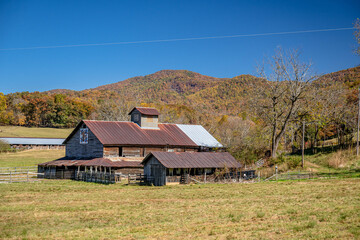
159	174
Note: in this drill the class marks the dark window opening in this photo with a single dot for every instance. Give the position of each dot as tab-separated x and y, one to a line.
120	151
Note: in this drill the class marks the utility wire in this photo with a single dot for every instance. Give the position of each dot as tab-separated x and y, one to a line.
180	39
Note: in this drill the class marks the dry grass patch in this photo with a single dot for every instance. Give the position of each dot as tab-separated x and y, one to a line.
57	209
18	131
29	157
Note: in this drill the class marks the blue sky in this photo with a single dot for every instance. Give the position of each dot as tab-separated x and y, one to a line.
26	24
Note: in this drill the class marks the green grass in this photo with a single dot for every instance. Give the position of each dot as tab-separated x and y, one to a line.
29	157
62	209
16	131
339	163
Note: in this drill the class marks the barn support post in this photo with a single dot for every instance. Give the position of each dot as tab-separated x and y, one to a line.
205	176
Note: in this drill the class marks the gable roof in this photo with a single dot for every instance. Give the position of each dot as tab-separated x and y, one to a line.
194	159
146	111
129	133
199	135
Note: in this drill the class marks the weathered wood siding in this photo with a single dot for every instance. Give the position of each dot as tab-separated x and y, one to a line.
149	121
138	151
111	151
154	171
130	170
131	151
143	120
149	150
92	149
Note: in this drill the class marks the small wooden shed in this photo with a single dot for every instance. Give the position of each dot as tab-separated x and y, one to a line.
163	167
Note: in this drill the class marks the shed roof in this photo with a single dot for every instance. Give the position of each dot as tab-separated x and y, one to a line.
199	135
33	141
129	133
194	159
99	162
146	111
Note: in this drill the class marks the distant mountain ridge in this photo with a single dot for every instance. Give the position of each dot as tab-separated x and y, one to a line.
182	96
191	89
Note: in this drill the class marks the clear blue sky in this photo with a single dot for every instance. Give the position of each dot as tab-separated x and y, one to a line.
35	23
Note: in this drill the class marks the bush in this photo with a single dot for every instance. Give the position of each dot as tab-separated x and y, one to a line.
293	162
340	159
4	146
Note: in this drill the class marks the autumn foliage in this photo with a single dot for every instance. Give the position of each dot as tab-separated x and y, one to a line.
224	106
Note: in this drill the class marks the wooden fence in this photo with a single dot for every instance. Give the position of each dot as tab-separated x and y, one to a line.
12	177
97	177
136	179
107	178
18	169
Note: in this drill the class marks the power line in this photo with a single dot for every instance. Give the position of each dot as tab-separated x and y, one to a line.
180	39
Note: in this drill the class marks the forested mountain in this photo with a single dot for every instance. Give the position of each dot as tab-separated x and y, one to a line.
225	106
181	90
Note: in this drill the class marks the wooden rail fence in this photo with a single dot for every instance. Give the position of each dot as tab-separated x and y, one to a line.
12	177
18	169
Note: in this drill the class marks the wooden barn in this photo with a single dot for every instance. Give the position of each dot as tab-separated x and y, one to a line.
161	168
120	147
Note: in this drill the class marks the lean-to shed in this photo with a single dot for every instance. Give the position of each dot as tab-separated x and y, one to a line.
159	166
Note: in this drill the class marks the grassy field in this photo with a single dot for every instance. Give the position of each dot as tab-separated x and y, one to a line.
29	157
16	131
55	209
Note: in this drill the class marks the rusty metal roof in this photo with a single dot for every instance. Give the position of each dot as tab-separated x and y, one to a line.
146	111
194	159
129	133
61	162
120	164
103	162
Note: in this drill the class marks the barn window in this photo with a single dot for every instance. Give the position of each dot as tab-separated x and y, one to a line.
120	151
84	137
136	117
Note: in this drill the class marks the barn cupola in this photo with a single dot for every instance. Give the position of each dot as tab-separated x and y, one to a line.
145	117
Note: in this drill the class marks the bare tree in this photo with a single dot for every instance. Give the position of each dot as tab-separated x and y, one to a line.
282	93
114	110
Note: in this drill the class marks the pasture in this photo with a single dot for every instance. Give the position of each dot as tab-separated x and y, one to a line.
29	157
18	131
56	209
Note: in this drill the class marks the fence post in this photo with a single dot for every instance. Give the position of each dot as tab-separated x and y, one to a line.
27	175
10	177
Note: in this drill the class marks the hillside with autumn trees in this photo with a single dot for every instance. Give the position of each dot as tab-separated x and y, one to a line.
225	106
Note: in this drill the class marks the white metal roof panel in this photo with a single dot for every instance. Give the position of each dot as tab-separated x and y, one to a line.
199	135
34	141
